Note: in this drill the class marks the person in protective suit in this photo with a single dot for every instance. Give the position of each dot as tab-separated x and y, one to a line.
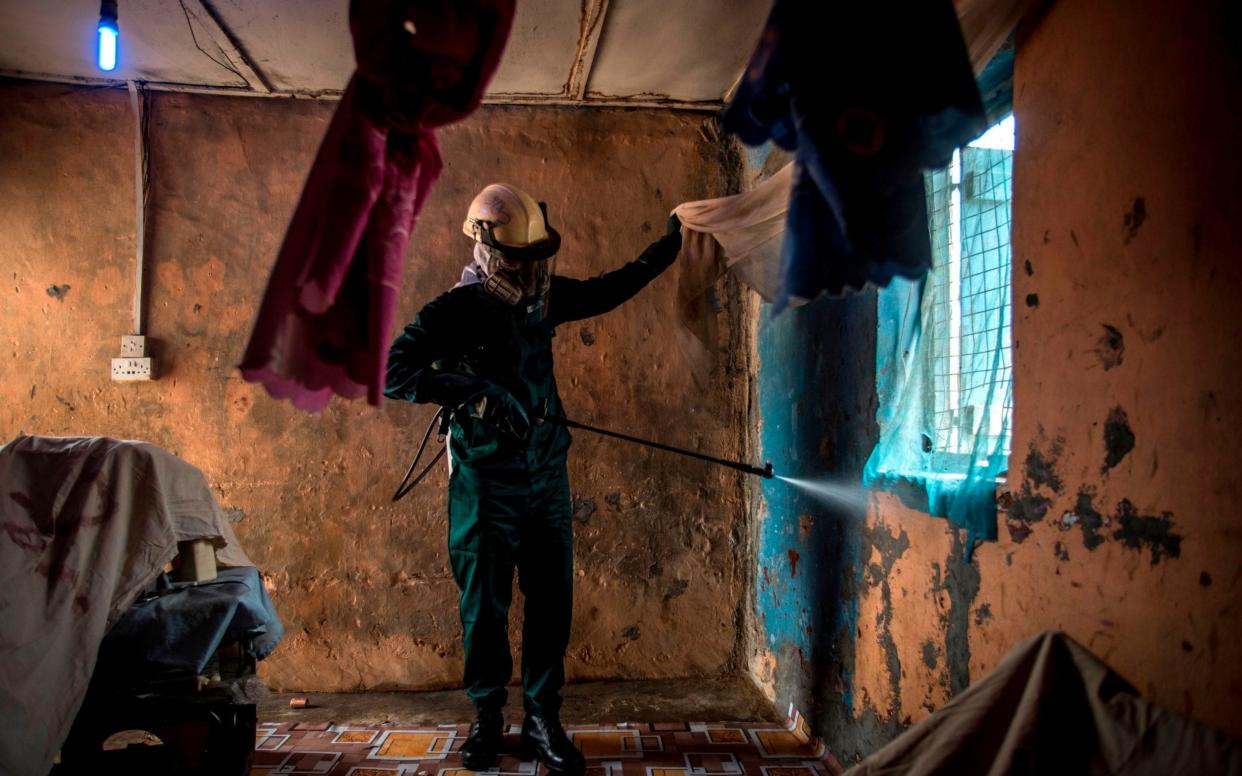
483	351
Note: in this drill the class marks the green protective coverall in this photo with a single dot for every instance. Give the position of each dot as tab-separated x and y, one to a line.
509	503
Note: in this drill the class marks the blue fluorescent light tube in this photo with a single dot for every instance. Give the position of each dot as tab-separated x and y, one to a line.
109	31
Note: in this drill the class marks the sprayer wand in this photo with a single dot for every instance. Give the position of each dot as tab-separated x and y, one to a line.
409	481
764	471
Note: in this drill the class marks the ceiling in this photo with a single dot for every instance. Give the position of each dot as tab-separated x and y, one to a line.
592	52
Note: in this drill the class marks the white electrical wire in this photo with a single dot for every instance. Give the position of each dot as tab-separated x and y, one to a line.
140	190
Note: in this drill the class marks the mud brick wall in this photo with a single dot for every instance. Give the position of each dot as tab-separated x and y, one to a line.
363	585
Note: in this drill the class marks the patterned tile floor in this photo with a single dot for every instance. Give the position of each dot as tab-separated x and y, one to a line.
646	749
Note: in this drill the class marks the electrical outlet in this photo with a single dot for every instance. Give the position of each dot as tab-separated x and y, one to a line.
130	369
133	346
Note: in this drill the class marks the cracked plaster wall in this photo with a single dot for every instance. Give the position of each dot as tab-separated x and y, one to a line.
363	585
1121	525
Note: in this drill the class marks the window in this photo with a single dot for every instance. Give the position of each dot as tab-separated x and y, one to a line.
944	369
970	316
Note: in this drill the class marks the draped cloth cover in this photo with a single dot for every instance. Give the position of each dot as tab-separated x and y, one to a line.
741	234
744	233
1051	706
87	523
323	326
866	96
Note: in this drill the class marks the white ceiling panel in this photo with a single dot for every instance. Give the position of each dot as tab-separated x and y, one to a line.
541	48
652	52
685	50
305	46
299	46
58	38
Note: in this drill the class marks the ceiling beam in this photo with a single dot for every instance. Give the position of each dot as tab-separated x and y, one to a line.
590	27
561	101
331	95
167	86
737	83
228	43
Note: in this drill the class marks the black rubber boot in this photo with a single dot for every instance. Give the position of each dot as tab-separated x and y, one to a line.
544	738
483	744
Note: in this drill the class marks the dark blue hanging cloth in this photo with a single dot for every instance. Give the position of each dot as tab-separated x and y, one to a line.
867	95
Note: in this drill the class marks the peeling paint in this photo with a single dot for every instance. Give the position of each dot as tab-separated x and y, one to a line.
1018	530
890	549
1134	219
1118	438
1041	467
817	400
676	589
1135	531
1089	518
1025	508
805	523
961	582
1153	532
1111	347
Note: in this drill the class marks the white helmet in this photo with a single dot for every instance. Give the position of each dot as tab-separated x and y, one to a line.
514	245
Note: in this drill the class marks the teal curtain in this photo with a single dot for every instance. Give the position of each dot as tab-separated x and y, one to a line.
943	357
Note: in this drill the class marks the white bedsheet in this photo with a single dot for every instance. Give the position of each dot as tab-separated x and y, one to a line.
85	524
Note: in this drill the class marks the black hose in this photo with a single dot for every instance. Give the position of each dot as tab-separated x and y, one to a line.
406	485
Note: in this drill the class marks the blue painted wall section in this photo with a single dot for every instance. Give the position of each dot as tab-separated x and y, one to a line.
815	560
817	402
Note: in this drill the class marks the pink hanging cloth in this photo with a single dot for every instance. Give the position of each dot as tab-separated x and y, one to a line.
324	324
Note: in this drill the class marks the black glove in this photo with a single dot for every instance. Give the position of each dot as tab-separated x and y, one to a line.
664	251
498	408
674	226
672	233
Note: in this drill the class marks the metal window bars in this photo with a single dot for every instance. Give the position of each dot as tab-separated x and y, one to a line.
969	215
